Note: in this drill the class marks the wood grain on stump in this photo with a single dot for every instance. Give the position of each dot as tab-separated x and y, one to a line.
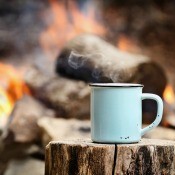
82	157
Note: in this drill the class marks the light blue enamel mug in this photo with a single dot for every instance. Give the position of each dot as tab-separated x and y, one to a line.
116	112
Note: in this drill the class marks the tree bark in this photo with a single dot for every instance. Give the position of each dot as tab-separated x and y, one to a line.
82	157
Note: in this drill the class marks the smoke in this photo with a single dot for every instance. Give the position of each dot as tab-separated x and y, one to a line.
114	77
96	73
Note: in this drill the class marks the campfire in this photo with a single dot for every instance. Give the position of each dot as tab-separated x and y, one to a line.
56	48
12	88
56	33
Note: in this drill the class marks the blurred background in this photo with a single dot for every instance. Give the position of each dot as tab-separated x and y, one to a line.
51	49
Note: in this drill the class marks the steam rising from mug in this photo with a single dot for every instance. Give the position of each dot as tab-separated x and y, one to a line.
77	61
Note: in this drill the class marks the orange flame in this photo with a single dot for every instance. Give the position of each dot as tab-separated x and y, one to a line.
169	95
12	88
127	44
66	23
123	43
5	103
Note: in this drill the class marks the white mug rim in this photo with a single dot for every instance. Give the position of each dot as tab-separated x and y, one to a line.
115	85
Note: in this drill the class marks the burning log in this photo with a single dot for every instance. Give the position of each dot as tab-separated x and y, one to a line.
69	98
91	59
84	157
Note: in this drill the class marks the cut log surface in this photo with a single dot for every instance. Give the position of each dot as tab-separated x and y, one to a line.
83	157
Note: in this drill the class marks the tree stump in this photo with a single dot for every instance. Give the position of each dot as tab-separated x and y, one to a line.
82	157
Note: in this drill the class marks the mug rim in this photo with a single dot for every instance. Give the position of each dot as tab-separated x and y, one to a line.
115	85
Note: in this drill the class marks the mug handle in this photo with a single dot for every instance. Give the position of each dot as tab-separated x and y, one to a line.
159	111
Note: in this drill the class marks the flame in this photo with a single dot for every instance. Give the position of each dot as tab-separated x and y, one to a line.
5	104
125	43
67	22
169	95
12	88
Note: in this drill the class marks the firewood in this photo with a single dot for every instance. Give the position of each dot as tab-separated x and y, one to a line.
83	157
88	58
69	98
22	124
59	128
91	59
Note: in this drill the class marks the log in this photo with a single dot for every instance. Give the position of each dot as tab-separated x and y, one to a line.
86	158
69	98
160	132
59	128
22	124
91	59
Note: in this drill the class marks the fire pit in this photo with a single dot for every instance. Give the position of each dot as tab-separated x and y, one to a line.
51	50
